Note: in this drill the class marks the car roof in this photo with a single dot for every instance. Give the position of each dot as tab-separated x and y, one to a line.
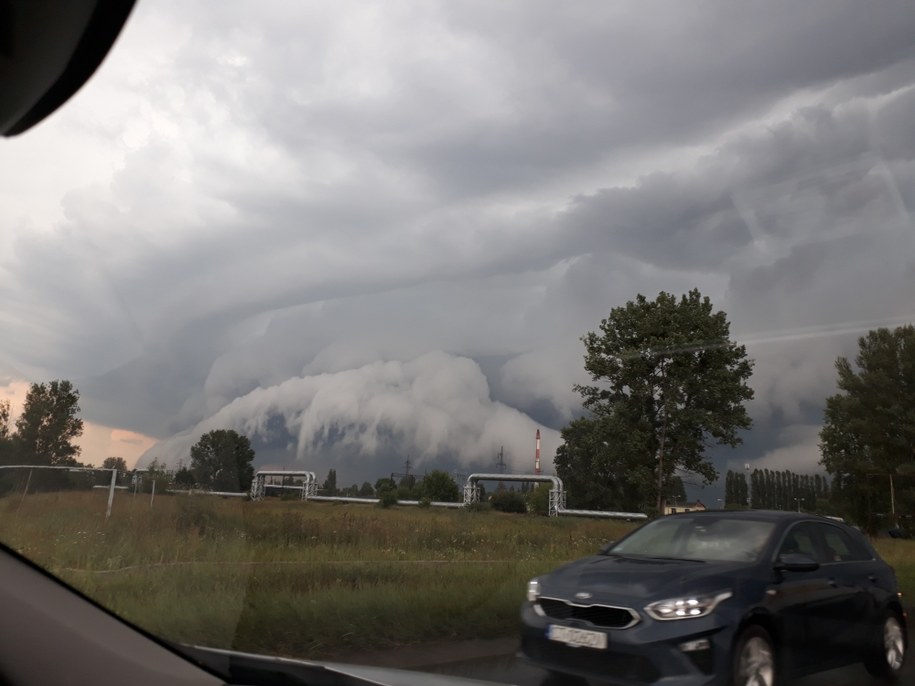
759	515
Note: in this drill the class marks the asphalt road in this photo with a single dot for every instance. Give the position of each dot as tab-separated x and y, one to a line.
507	669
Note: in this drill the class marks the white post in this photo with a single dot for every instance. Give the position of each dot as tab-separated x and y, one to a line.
153	493
114	476
26	490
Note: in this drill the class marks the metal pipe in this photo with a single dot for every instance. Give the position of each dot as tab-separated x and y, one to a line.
602	513
555	480
371	501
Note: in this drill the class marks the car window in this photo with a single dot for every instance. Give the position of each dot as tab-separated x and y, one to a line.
801	538
840	547
699	538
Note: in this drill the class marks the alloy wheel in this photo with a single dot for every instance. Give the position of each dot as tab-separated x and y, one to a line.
756	665
893	643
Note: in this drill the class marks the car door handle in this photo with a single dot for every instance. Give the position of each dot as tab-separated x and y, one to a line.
872	577
833	583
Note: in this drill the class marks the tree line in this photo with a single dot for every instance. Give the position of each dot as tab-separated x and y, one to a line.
777	490
667	382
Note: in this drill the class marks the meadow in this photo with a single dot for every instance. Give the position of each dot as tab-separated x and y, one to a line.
310	580
299	579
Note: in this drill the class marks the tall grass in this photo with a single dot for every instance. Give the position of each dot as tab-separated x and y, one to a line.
293	578
307	579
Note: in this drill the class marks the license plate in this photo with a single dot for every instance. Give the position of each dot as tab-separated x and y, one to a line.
578	638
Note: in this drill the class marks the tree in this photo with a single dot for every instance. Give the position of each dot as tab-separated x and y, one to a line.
366	490
7	445
156	475
509	501
668	374
4	420
736	490
601	466
118	463
868	434
49	424
385	484
538	499
221	461
330	483
440	487
184	478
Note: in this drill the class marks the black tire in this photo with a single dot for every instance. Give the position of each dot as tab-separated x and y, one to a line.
753	662
887	657
562	679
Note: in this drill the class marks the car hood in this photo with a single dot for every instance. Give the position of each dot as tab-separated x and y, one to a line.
239	667
608	577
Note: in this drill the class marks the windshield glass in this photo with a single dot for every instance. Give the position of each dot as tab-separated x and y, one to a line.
329	327
717	539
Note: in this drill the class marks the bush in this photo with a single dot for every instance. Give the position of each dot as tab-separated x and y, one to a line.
508	501
440	486
478	507
425	502
538	500
387	498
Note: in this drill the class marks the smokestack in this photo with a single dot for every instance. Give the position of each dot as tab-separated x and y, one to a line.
537	455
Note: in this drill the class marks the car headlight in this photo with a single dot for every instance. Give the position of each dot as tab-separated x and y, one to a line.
533	590
686	607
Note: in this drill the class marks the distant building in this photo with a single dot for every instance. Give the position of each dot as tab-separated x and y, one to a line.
685	507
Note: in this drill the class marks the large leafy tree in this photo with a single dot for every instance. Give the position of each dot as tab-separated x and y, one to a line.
667	382
49	424
221	461
439	486
867	442
601	466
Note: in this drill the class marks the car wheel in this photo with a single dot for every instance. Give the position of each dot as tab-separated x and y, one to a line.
561	679
754	659
886	658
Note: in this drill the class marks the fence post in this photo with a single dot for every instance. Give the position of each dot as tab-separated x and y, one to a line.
114	476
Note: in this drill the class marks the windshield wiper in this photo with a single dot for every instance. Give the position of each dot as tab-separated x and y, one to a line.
672	559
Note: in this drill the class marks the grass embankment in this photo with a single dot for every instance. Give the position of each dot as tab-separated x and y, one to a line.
293	578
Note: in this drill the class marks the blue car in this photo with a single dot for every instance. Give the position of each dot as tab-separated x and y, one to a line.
719	598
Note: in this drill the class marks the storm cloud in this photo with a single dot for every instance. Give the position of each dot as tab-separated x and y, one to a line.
361	232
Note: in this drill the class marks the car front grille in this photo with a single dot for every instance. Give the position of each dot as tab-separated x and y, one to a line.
606	616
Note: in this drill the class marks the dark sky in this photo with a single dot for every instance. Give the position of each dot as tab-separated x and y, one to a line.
391	223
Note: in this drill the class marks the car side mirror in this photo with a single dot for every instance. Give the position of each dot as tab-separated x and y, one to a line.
796	562
605	548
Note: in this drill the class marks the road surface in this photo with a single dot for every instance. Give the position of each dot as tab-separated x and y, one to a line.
507	669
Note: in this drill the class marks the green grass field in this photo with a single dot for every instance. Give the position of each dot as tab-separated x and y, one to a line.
307	579
293	578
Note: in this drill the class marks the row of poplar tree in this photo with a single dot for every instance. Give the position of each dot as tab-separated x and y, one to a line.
775	490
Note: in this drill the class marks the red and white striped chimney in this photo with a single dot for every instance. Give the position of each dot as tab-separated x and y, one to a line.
537	455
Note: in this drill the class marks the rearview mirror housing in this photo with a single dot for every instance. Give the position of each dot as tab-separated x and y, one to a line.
48	50
796	562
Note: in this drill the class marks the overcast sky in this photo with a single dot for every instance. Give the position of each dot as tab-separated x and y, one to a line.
365	231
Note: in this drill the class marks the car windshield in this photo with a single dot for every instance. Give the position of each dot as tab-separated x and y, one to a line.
712	539
329	327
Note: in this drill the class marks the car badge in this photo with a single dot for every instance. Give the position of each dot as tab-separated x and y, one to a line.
582	595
